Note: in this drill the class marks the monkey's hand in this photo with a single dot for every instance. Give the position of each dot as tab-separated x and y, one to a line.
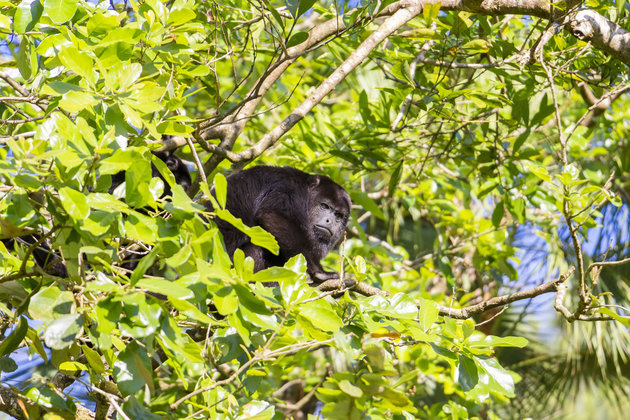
322	276
350	284
329	279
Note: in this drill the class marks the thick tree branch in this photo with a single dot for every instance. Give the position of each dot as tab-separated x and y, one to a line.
465	313
391	24
597	106
604	34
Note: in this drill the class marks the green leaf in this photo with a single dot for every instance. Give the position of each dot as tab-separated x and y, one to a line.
190	310
7	365
428	314
174	128
137	193
399	306
79	62
141	228
142	315
59	88
108	312
27	15
62	332
274	274
348	388
22	59
132	369
74	101
72	367
258	410
430	12
36	344
27	181
181	206
367	203
476	46
468	376
539	171
164	287
401	71
220	189
93	359
120	160
74	203
320	314
305	6
257	234
60	11
494	341
468	328
48	398
497	214
500	379
614	315
226	300
364	107
51	303
145	263
298	7
395	400
394	179
180	16
297	39
100	24
14	339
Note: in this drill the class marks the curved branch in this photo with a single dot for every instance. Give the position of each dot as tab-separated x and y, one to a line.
467	312
391	24
588	25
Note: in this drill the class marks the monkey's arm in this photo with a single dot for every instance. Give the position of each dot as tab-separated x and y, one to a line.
293	239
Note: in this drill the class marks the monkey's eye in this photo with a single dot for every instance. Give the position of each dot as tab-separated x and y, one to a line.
339	215
324	206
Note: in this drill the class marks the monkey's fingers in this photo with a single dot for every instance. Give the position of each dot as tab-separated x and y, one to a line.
351	284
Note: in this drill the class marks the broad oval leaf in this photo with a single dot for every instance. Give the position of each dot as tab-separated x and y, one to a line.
350	389
27	15
468	376
75	203
428	314
60	11
51	303
320	314
62	332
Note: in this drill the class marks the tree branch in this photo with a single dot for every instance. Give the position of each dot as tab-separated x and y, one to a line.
467	312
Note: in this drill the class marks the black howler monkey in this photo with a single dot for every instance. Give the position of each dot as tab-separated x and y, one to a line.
51	261
175	164
306	214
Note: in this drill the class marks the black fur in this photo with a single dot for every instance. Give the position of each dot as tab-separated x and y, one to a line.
50	260
307	214
175	164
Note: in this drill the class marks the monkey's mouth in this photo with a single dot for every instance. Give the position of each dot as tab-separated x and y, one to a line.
323	231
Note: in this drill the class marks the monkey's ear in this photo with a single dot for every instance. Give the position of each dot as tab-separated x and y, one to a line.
313	181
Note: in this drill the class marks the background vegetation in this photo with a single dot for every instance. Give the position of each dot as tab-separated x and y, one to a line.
485	147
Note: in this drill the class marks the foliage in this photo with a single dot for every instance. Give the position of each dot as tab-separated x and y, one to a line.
448	137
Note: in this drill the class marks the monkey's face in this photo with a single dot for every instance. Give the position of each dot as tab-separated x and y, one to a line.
177	167
329	212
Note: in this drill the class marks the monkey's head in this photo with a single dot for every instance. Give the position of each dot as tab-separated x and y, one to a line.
329	209
177	167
